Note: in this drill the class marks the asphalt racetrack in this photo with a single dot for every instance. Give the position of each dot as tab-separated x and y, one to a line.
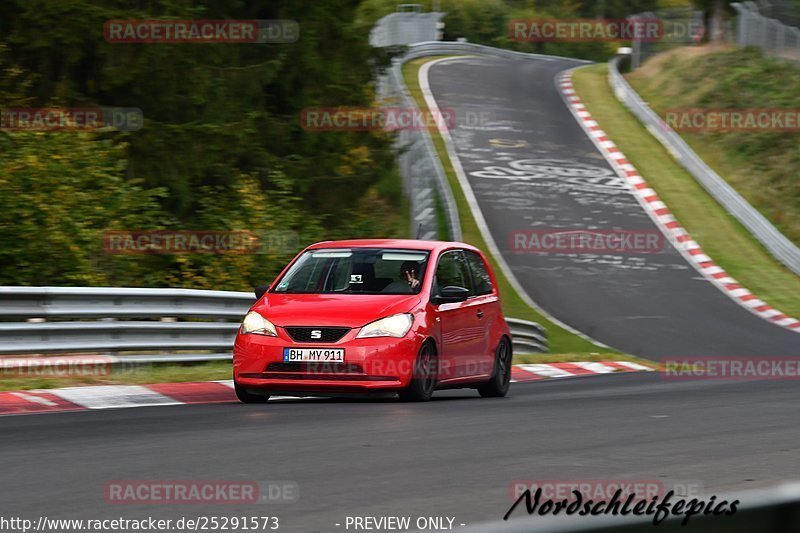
459	456
456	456
532	167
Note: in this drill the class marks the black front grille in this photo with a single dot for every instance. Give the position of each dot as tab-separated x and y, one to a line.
316	368
324	335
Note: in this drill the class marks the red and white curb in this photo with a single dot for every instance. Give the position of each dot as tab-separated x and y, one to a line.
126	396
538	372
662	216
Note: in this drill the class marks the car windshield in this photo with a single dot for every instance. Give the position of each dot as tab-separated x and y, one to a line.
355	271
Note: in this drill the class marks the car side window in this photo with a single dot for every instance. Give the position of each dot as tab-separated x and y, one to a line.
480	275
452	270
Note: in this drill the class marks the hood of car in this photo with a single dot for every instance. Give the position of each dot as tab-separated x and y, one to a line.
346	310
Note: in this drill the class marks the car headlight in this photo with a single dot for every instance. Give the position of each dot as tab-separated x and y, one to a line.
255	323
391	326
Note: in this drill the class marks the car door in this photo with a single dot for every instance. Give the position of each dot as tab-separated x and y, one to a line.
461	327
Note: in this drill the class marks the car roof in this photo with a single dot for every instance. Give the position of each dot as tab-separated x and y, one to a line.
409	244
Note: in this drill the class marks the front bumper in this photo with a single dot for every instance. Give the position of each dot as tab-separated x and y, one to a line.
382	363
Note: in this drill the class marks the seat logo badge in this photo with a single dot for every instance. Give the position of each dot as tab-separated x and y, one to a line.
316	334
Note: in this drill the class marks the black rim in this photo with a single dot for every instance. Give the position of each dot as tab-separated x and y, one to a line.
426	368
504	363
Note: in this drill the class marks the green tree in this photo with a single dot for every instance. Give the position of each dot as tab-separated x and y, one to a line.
222	130
60	193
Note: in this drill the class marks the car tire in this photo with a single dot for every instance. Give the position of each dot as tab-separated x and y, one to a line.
246	397
498	386
423	381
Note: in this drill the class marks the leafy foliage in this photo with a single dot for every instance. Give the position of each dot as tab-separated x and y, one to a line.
222	145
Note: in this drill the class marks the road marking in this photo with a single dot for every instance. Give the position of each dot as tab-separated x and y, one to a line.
113	396
660	213
508	143
208	392
475	209
634	366
546	370
597	368
34	399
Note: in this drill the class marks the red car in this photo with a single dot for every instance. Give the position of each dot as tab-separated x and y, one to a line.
376	316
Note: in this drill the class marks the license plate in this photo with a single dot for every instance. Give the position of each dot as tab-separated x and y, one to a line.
313	355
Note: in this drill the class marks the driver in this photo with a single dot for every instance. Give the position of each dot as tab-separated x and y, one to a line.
409	279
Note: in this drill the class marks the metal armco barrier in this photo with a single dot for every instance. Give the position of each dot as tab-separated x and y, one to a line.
436	48
115	302
102	336
68	330
527	337
423	176
779	246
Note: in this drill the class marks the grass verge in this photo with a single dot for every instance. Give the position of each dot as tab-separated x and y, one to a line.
760	165
561	341
722	237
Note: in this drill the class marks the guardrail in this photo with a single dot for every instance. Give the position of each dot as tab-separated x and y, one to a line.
464	48
423	175
117	302
163	332
102	336
778	245
527	337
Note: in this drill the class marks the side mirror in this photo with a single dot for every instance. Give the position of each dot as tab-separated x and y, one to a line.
260	291
452	294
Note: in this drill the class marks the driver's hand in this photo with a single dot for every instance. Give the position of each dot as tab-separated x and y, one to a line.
411	278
